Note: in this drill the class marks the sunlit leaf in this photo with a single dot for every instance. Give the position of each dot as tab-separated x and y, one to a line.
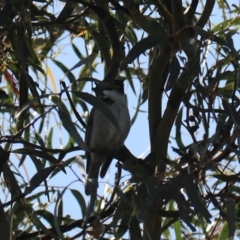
224	232
52	79
177	229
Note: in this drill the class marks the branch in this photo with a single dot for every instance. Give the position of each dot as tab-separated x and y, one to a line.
152	226
178	17
144	22
163	131
139	168
190	12
79	118
17	140
157	79
180	29
163	11
67	227
4	226
156	86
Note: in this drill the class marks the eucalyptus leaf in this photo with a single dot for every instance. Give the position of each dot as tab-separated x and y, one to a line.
67	10
38	178
71	129
141	46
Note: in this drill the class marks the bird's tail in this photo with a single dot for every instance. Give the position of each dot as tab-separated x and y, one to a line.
92	179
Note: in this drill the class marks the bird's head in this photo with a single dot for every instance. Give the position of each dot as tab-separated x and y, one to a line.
115	86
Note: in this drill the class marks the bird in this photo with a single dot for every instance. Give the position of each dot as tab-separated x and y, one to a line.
102	137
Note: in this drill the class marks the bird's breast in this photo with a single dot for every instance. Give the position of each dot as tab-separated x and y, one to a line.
104	134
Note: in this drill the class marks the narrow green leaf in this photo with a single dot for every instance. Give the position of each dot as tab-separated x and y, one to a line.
129	72
177	229
193	194
122	210
76	50
39	225
38	178
174	70
67	10
39	139
224	233
104	48
46	215
209	35
230	43
37	153
142	46
65	70
59	209
80	200
230	109
30	103
122	227
56	210
224	25
131	34
84	61
71	129
62	167
49	139
31	53
183	208
227	178
178	124
166	232
67	122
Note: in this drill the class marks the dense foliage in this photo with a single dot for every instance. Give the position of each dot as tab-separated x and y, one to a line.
186	61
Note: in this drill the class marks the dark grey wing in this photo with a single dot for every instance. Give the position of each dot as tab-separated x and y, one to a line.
88	133
88	137
108	161
105	167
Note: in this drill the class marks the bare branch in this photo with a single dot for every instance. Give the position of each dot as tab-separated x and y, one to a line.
190	12
206	13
